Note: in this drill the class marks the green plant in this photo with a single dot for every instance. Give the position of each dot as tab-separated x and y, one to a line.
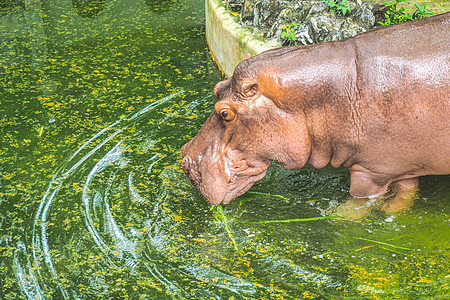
397	16
331	4
342	7
296	220
221	218
339	7
289	32
394	15
422	12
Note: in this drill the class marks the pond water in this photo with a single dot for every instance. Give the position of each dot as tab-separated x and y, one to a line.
97	97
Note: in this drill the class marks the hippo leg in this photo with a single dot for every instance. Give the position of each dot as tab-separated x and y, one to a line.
406	184
363	184
401	196
367	195
405	192
356	208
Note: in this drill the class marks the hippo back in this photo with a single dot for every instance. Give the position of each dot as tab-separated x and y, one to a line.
403	78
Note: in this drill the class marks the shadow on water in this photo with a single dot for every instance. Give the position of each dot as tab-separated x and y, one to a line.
93	203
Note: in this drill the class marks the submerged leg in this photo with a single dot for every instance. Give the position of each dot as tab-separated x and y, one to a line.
405	192
401	196
355	208
368	195
364	184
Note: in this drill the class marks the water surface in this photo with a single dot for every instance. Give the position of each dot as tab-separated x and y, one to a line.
96	102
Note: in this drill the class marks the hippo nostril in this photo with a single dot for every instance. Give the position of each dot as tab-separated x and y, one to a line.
190	168
188	165
185	163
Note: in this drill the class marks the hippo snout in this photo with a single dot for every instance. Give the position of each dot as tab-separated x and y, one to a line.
205	170
190	168
183	150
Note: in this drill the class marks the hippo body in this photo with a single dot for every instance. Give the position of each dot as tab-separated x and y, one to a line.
377	104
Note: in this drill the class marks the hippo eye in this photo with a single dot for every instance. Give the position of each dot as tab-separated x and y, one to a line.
226	114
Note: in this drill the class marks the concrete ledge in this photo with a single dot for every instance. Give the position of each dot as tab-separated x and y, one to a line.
228	41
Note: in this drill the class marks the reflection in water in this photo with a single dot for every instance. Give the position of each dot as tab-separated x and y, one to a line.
88	8
22	41
11	5
93	204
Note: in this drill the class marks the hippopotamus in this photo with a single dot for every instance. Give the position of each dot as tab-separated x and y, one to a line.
377	103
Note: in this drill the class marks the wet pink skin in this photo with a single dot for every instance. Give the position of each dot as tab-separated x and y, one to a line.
223	163
377	104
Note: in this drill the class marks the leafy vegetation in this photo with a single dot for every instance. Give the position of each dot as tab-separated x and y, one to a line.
398	16
222	219
289	32
340	7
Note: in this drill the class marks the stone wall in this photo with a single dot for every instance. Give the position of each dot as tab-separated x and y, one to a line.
314	21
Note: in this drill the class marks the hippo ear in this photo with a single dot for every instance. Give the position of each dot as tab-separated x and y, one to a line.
250	88
247	55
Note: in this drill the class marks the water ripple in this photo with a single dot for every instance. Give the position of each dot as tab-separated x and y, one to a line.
111	240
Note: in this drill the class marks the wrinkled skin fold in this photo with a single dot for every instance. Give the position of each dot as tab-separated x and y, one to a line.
377	104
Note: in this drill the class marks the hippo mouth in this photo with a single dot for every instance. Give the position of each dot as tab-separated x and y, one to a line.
243	177
219	179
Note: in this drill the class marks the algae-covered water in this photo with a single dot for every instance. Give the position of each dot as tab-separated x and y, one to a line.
96	99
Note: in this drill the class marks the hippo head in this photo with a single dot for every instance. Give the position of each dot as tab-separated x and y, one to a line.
248	129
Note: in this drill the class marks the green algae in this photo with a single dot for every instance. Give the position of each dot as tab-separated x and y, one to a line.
296	220
385	244
220	216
